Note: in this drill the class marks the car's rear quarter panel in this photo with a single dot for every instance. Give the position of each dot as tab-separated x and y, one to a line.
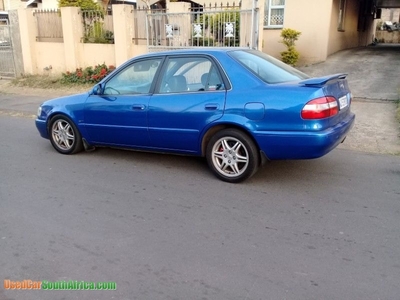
281	133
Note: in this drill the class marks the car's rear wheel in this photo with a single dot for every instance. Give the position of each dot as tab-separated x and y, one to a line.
232	155
64	135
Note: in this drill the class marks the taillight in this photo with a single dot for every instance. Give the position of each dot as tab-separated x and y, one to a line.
320	108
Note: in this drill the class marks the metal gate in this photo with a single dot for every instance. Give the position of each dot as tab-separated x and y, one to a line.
7	64
213	26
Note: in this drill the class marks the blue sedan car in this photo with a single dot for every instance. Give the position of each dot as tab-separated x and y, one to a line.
236	107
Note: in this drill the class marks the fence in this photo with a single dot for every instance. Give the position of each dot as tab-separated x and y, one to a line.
204	26
49	26
92	37
220	26
7	65
139	18
98	27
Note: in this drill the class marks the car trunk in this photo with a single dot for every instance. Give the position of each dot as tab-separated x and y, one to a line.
336	86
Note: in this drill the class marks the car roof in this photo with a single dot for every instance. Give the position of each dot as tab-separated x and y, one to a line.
198	50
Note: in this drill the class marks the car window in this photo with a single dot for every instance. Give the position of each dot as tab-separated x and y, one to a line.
133	79
190	74
266	67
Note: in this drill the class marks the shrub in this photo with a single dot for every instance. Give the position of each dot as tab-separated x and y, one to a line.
290	56
94	27
289	37
87	75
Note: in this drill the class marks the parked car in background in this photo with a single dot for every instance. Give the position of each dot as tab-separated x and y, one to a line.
236	107
390	26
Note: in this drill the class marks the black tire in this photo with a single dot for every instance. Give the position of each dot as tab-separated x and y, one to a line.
64	136
232	155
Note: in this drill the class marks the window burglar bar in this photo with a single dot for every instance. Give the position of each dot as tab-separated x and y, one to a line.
274	13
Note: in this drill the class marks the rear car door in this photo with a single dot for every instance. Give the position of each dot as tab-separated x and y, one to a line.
191	95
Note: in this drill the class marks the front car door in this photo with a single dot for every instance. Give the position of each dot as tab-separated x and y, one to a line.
118	116
191	94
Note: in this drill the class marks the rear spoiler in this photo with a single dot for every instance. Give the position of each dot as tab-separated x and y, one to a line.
321	81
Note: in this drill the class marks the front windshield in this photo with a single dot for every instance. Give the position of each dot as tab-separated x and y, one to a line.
266	67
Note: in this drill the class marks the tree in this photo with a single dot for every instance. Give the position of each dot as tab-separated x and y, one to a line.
83	4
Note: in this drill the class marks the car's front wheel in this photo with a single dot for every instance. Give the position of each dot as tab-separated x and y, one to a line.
64	136
232	155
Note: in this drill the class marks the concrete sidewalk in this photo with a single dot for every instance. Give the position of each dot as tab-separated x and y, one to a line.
373	75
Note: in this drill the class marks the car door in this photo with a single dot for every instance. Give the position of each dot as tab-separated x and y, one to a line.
118	116
191	95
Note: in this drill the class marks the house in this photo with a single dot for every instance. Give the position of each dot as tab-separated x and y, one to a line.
326	26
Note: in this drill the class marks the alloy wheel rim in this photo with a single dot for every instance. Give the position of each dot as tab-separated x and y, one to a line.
230	157
63	134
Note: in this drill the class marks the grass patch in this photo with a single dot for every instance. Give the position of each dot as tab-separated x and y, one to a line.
47	82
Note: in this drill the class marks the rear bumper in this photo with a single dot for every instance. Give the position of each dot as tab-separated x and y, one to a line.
42	127
303	145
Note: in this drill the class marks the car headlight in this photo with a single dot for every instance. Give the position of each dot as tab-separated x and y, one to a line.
39	111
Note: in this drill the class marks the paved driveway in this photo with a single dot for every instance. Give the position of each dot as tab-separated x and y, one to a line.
373	72
374	79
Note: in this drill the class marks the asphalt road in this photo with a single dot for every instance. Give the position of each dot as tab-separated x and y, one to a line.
162	227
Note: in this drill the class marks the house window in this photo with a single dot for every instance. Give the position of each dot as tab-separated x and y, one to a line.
274	13
342	11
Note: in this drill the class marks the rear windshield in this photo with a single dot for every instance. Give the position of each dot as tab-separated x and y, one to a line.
266	67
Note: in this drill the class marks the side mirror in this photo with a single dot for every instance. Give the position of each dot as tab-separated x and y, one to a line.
97	90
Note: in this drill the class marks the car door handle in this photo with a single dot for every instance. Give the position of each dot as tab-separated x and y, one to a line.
211	106
138	106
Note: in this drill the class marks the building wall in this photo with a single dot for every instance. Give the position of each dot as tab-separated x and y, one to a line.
58	57
350	37
317	20
12	4
392	14
311	18
16	41
386	37
48	4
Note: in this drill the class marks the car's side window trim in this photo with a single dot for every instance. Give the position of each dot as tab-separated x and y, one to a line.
128	65
214	65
